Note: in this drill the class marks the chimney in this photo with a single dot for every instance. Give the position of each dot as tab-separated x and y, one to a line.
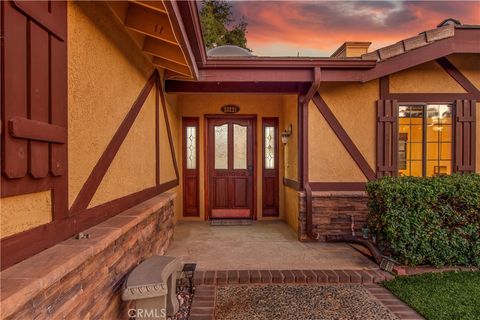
351	50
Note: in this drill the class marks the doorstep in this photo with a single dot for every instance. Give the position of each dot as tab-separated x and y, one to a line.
290	276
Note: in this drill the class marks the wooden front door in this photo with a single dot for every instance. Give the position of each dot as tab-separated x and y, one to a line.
230	167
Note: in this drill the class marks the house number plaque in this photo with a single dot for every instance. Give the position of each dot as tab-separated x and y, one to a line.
230	108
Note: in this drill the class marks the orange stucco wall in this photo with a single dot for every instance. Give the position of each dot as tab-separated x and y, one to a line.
106	72
353	104
98	90
289	115
24	212
425	78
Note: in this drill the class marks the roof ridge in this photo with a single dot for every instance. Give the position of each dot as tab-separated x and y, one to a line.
424	38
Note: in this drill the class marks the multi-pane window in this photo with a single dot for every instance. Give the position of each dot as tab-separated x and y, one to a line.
425	139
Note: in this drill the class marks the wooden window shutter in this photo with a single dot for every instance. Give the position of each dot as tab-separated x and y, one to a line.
387	137
465	117
34	88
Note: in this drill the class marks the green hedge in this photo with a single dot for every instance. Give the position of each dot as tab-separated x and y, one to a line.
427	220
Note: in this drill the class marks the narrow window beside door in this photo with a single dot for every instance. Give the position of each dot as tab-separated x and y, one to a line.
190	168
270	167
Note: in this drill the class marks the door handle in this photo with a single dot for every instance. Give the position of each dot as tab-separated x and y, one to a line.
250	169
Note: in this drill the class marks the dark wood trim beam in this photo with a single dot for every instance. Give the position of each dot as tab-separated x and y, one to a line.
93	216
22	245
176	86
93	181
295	185
25	185
169	131
181	33
384	87
344	137
288	63
157	130
189	15
338	186
256	75
25	244
277	74
430	97
458	76
24	128
300	141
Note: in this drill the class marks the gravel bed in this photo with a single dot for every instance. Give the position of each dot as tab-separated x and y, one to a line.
288	302
184	301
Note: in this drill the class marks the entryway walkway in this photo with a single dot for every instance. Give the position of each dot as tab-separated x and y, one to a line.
265	245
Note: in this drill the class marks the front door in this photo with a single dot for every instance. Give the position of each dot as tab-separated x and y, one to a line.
230	167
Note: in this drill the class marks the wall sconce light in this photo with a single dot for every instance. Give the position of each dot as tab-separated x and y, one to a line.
189	272
286	134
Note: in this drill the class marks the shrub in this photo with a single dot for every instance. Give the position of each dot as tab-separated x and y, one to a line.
427	220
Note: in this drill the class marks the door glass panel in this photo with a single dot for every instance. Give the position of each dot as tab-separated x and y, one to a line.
191	147
239	147
221	146
269	147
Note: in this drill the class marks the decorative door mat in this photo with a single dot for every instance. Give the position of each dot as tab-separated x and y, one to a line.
231	222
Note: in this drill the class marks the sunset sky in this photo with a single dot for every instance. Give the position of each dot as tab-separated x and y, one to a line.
317	28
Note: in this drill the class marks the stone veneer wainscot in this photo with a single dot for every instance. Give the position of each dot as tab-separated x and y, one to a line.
82	279
332	213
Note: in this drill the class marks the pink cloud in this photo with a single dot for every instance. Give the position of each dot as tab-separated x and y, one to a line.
319	27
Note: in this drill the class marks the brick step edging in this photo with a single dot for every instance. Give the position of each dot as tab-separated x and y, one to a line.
393	303
222	277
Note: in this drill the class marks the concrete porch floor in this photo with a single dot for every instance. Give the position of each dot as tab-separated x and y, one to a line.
271	245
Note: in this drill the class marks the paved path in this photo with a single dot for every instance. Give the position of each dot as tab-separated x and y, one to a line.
298	301
262	246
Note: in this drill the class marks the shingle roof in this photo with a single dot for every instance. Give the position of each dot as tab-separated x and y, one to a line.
445	30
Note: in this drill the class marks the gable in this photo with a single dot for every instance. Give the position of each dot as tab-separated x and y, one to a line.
469	66
428	77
